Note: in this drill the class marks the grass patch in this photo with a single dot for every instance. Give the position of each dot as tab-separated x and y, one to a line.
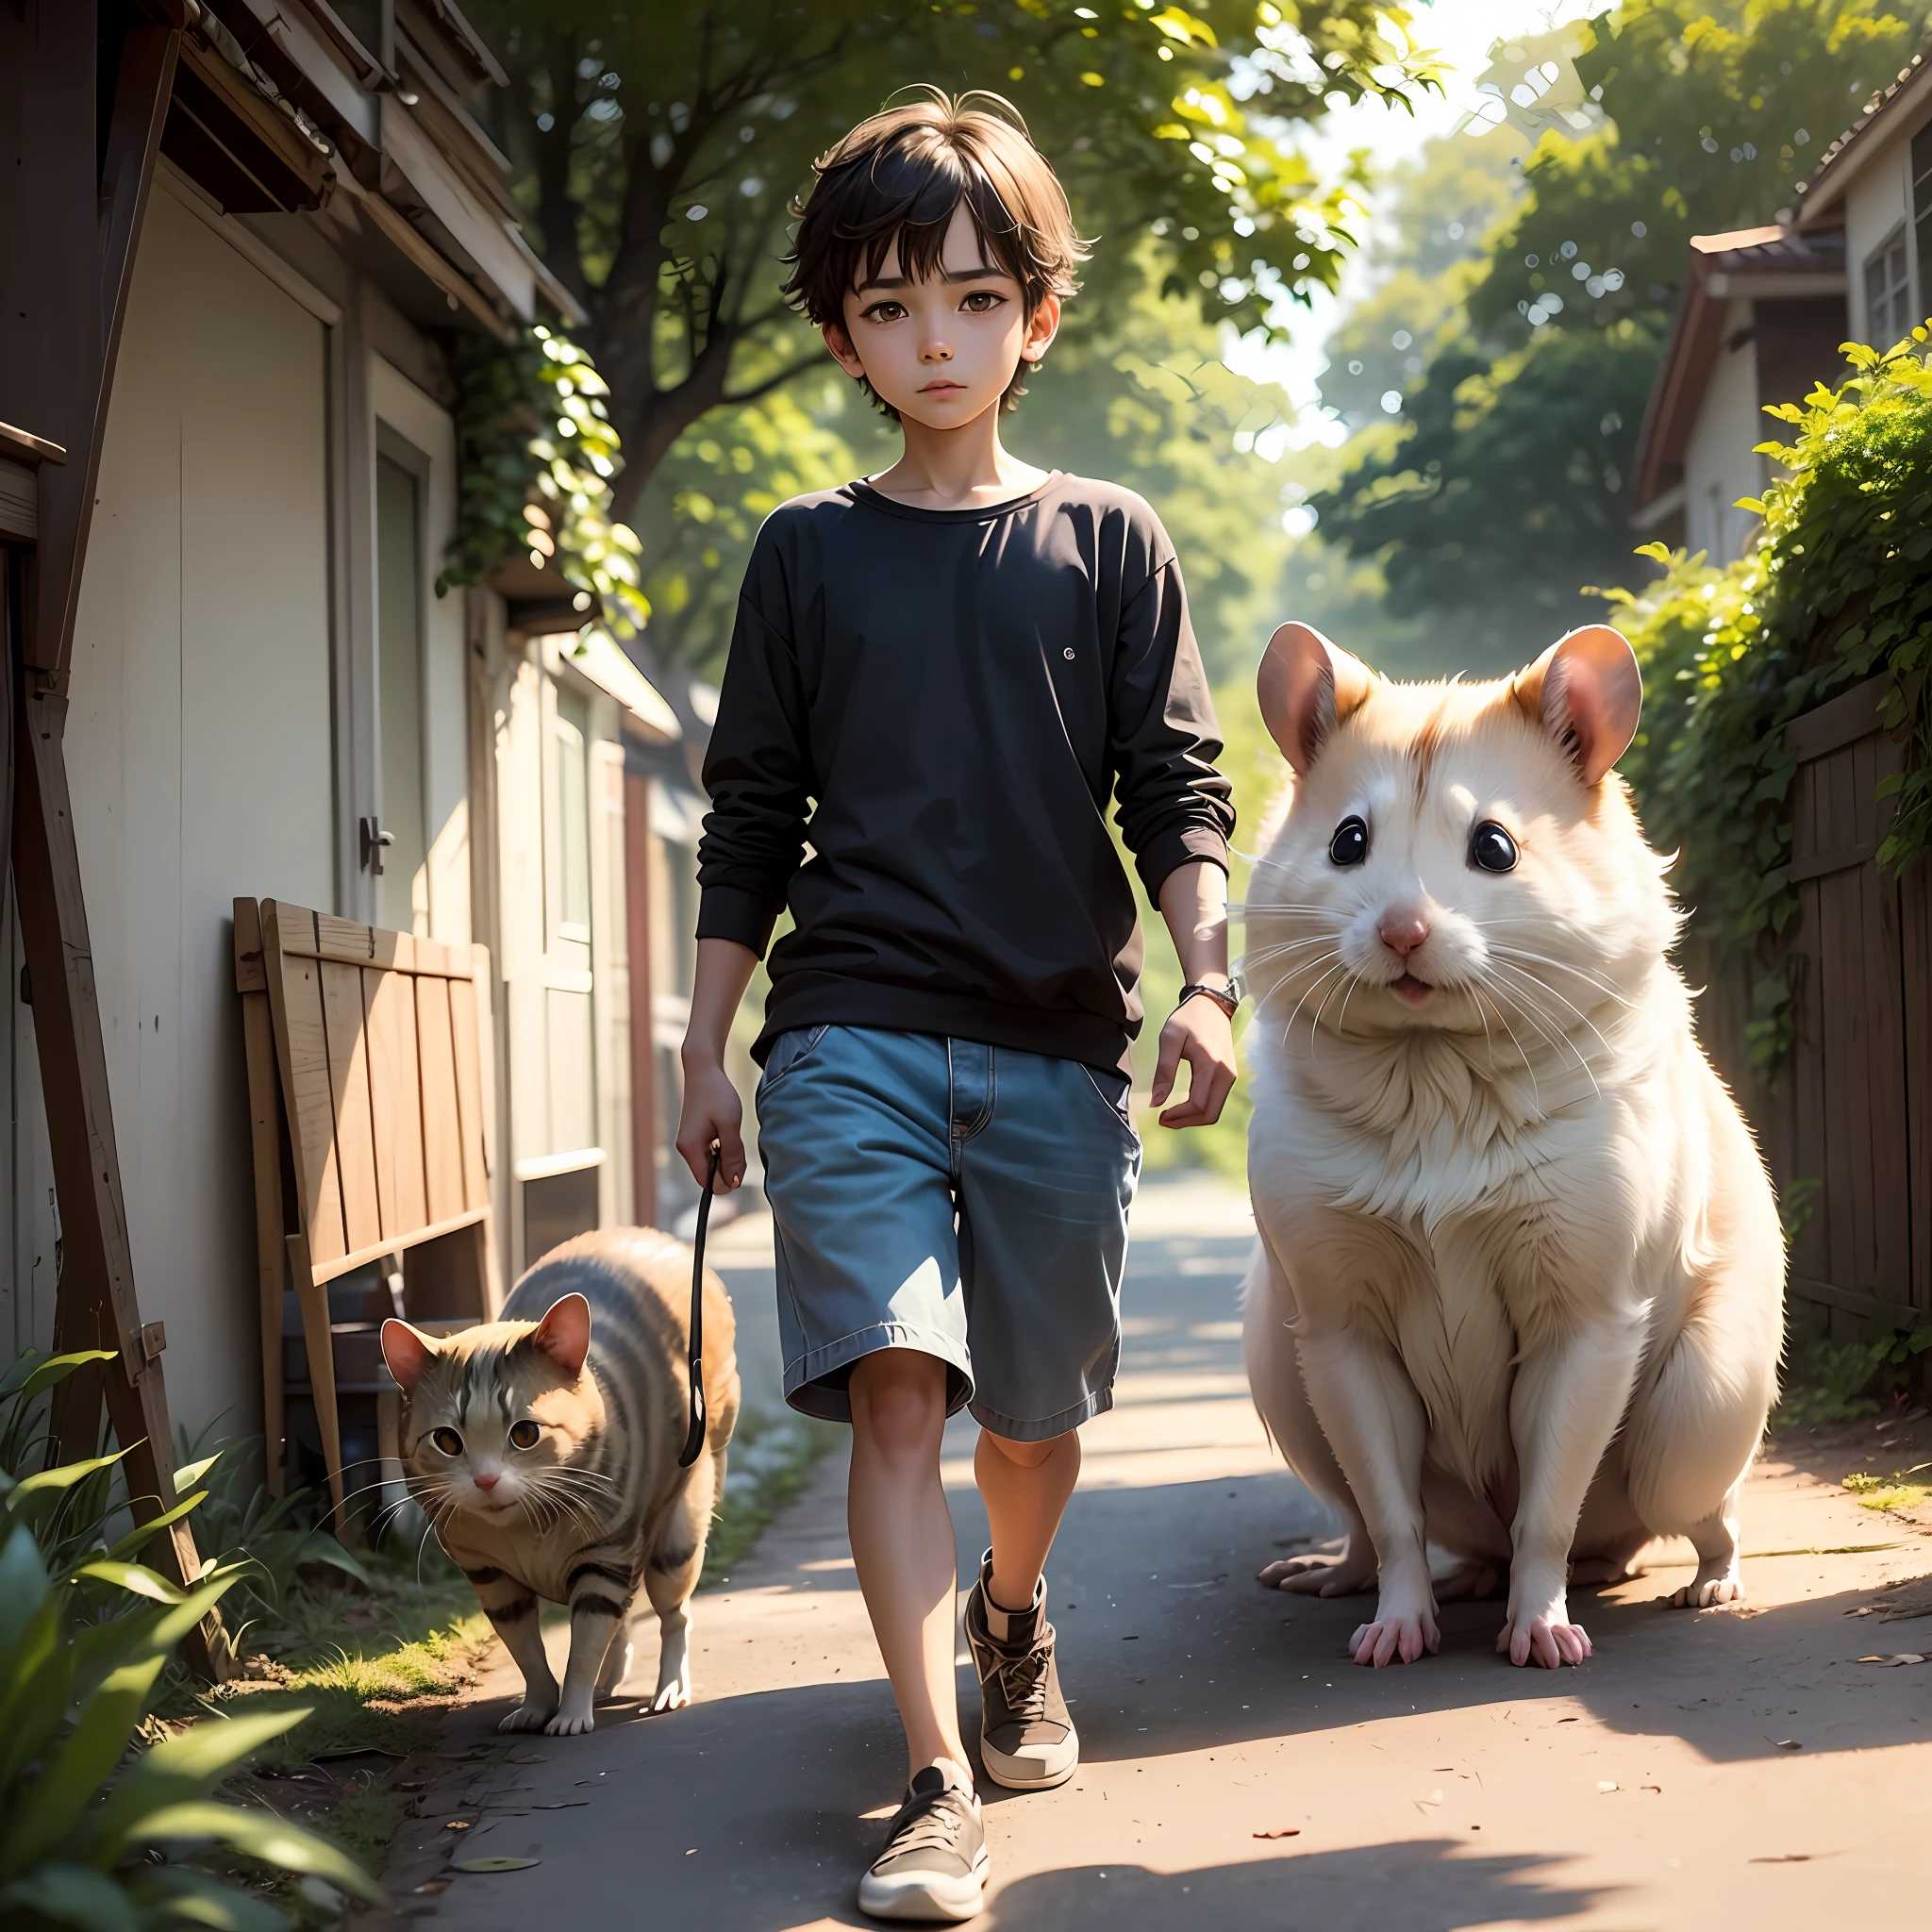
771	1458
1894	1491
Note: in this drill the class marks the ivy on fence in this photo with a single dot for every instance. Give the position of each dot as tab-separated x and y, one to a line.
1838	589
537	453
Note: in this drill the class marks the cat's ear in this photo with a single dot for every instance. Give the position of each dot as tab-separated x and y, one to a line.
1306	686
407	1352
565	1334
1586	691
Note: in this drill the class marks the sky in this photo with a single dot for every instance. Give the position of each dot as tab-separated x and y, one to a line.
1462	32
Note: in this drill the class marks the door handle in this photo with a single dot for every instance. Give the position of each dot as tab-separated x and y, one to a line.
374	841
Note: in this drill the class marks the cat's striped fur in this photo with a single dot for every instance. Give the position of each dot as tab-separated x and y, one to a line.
544	1448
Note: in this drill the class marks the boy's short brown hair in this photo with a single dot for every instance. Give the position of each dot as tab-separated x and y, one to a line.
901	174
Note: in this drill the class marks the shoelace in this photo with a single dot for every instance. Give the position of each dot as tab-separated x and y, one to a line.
929	1821
1022	1678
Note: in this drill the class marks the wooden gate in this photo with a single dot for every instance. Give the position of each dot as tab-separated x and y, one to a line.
1850	1136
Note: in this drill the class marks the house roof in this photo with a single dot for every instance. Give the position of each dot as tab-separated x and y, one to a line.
1763	263
1843	161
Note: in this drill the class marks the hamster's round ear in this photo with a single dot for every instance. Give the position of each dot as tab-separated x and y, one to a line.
407	1352
1306	686
565	1334
1586	691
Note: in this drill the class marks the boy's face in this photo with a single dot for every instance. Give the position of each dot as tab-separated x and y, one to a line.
942	351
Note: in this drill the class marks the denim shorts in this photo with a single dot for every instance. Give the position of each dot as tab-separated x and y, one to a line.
963	1200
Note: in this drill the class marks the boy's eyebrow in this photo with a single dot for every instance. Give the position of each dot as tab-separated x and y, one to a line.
958	275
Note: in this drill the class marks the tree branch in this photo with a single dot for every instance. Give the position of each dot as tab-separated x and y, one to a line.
800	366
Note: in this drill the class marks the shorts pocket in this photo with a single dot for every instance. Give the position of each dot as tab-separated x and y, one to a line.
1113	1090
790	1051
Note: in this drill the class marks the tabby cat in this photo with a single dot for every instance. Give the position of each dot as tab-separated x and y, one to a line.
544	1446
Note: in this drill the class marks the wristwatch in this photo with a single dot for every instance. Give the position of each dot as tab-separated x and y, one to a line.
1227	997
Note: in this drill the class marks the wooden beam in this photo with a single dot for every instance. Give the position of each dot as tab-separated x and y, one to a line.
97	1306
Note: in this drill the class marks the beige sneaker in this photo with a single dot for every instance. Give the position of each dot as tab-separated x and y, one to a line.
1027	1737
935	1862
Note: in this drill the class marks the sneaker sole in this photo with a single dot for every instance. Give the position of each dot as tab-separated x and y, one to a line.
922	1896
1031	1774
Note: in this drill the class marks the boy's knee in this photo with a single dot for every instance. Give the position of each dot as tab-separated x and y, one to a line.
899	1400
1027	1455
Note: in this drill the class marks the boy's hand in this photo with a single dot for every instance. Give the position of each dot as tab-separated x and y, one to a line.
712	1112
1200	1033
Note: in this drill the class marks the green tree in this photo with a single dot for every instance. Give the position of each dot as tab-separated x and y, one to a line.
1506	490
661	146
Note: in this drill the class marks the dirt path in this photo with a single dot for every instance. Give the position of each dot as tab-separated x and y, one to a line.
1730	1768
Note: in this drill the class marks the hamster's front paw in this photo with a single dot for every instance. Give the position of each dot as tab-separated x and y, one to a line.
573	1719
1547	1640
528	1716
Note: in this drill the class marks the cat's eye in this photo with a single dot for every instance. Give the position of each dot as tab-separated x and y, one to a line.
449	1442
1350	844
1491	849
525	1435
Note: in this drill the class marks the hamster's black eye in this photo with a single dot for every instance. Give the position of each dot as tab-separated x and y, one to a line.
1491	848
449	1442
1350	844
525	1434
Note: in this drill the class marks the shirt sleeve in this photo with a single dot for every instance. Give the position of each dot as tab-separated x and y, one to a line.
756	769
1173	806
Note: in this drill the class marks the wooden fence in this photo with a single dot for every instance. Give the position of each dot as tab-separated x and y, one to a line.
1846	1124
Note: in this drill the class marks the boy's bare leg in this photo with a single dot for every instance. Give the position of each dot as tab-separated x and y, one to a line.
1025	1487
902	1542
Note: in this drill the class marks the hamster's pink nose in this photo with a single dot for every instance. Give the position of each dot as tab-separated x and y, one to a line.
485	1483
1403	932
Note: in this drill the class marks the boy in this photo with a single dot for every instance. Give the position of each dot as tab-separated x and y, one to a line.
938	677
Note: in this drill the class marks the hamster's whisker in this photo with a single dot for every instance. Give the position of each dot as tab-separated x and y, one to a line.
1289	979
1542	986
1540	1018
1591	979
1528	1066
1327	978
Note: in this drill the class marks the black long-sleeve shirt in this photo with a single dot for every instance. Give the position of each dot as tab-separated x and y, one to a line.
943	703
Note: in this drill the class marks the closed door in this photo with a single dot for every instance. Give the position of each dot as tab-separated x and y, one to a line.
402	896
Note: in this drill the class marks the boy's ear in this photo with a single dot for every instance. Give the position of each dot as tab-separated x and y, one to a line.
407	1352
840	345
1306	686
1042	327
565	1334
1586	690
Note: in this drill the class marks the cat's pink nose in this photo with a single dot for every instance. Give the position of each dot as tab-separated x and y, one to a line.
485	1483
1403	932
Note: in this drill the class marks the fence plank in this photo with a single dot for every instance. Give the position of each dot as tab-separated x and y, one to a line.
295	985
442	1149
1915	935
348	1069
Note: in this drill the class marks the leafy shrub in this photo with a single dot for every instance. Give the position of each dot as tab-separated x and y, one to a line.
85	1634
1838	590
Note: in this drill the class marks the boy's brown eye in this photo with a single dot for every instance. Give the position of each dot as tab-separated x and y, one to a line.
449	1442
525	1435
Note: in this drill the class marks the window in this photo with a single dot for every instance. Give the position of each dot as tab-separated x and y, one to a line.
1887	294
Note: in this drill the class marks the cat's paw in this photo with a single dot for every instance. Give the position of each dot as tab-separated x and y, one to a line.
573	1719
671	1696
1548	1641
528	1717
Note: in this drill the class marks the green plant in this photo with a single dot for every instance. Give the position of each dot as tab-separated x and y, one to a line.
536	454
83	1645
1837	591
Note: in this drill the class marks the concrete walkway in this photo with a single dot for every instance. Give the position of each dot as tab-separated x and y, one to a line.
1740	1769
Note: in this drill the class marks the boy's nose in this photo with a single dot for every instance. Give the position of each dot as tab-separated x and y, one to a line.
937	352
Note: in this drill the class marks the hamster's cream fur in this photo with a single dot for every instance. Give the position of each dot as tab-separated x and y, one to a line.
1519	1286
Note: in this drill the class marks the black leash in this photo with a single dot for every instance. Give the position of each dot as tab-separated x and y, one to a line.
695	1437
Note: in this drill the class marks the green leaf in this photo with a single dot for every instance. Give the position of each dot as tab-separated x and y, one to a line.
34	1371
55	1802
135	1576
34	1689
260	1835
137	1539
180	1895
63	1476
69	1895
183	1768
495	1864
23	1586
191	1472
